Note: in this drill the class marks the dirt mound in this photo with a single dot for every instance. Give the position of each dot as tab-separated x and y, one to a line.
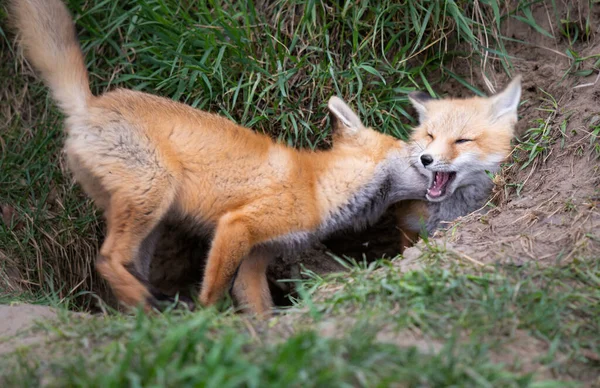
547	197
16	323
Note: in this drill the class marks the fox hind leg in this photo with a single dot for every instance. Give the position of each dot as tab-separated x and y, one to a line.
130	220
251	288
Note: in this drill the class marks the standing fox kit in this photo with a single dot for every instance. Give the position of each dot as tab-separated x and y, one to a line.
456	142
146	159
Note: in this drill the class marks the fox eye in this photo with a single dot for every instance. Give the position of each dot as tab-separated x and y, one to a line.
460	141
430	136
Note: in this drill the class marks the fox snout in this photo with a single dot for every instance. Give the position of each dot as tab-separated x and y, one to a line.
433	161
426	160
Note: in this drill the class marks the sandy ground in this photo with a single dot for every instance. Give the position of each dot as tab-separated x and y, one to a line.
17	324
555	216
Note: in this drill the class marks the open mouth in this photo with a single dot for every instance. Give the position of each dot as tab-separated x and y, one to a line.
441	180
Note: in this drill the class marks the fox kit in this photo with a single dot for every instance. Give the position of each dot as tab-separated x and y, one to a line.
146	160
457	141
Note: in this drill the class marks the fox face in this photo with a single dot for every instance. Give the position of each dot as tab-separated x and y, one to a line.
458	140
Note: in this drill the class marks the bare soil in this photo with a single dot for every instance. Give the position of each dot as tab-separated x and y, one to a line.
555	216
17	322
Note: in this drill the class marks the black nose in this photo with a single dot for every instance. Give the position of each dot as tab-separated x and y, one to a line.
426	160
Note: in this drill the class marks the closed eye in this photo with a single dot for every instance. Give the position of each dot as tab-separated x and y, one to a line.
430	136
460	141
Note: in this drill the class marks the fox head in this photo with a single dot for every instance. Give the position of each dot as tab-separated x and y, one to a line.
368	147
457	140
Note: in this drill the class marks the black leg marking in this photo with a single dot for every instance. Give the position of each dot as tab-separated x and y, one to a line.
132	269
235	275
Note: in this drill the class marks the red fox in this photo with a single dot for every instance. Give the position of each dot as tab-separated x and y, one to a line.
457	141
144	160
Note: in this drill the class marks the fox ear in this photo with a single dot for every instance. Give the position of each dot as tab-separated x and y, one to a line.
419	101
507	101
343	116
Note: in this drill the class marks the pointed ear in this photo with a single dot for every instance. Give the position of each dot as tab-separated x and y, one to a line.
344	117
507	101
419	101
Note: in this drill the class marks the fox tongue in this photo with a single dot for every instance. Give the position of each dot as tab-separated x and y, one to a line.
441	178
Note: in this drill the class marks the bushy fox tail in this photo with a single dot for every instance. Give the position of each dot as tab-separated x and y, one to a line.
47	34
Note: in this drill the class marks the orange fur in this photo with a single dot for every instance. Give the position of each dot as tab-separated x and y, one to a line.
408	233
145	159
251	288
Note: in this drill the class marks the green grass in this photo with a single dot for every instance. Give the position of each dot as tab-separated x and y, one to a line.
538	139
595	133
274	67
475	318
49	231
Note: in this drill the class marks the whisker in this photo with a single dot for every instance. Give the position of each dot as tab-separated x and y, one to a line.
418	145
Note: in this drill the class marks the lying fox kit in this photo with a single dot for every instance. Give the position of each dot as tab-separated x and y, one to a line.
457	141
146	160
